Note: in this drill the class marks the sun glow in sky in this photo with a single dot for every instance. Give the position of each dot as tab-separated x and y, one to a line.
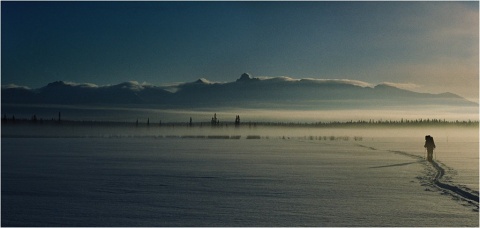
426	46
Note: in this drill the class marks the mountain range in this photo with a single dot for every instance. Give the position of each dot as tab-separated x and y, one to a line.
245	92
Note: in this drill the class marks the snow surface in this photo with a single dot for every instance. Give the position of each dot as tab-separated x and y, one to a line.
153	181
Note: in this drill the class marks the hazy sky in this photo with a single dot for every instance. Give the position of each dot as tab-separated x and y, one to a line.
428	46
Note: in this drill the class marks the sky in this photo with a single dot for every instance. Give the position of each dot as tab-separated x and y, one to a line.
423	46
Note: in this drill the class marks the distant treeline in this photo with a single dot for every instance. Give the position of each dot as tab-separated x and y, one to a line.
363	123
236	123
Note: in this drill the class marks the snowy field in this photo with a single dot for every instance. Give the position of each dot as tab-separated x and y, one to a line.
288	177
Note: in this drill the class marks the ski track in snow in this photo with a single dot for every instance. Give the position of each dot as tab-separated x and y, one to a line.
457	192
465	194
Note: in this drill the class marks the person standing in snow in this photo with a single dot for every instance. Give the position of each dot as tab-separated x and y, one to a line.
430	146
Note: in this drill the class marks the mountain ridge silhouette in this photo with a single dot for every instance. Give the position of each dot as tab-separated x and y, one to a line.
246	91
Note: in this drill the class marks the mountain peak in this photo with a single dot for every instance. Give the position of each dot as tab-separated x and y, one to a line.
203	81
449	95
385	86
246	78
130	85
57	84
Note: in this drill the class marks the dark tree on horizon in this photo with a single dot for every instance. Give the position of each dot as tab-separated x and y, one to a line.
215	121
237	121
